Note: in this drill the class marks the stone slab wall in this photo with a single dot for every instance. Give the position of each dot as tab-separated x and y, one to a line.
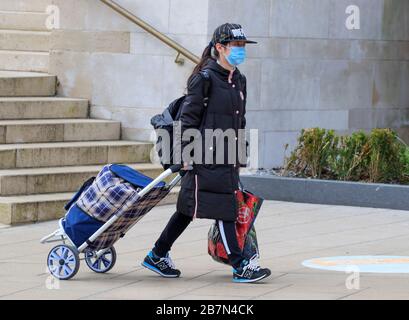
307	70
127	74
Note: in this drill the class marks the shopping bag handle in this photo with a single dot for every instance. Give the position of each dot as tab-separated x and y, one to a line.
241	186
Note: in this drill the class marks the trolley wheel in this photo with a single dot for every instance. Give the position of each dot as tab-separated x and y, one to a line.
104	263
63	262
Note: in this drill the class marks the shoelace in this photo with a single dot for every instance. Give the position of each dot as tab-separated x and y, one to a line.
169	262
253	264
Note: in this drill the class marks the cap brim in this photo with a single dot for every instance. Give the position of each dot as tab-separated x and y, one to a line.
246	41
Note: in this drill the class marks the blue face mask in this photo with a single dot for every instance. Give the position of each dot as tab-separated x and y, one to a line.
237	55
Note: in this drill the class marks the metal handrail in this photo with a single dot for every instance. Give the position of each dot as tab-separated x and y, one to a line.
156	33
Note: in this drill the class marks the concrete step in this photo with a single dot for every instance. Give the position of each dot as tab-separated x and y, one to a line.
27	5
25	40
19	20
25	84
31	61
58	130
58	179
56	154
43	108
43	207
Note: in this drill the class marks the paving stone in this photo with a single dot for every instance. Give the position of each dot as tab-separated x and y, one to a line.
288	233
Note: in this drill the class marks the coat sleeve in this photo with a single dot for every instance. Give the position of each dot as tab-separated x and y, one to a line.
193	107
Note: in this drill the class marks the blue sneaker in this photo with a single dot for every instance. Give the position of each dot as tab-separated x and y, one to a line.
163	266
250	271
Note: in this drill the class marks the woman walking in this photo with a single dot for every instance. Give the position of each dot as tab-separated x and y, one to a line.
208	190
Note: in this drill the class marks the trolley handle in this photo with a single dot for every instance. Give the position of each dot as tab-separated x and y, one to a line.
172	169
175	168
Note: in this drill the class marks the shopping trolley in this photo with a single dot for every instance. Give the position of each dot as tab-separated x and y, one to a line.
100	213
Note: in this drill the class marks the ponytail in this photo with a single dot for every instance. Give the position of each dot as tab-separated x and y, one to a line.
206	56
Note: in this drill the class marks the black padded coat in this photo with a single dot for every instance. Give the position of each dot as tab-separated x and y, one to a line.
208	191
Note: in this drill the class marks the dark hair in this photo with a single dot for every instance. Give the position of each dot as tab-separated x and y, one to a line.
206	56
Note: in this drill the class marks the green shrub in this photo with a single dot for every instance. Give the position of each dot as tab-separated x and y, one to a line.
375	157
405	161
385	156
315	147
351	158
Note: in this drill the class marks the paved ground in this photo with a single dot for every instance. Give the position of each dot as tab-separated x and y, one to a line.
289	233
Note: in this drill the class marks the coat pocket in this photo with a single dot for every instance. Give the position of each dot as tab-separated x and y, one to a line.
214	178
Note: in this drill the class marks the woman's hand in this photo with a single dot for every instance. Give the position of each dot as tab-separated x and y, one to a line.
186	166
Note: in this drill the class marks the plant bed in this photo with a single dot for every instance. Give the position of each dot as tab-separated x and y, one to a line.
363	169
378	157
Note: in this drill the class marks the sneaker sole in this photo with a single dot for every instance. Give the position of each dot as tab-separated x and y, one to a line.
148	266
251	280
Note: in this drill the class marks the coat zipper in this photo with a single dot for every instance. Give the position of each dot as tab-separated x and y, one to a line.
235	192
195	212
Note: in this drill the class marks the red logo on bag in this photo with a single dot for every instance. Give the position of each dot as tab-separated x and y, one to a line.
244	215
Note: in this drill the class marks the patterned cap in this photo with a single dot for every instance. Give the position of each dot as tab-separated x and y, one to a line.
229	32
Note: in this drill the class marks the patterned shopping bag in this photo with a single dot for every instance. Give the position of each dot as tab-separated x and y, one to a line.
248	206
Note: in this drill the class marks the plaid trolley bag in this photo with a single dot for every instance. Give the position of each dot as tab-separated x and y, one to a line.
248	206
100	213
113	192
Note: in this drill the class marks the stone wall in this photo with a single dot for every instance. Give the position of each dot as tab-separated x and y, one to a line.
307	70
310	70
126	73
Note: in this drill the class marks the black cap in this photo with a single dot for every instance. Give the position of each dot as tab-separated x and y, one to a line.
229	32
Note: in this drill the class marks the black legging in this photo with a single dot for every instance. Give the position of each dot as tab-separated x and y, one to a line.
178	223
